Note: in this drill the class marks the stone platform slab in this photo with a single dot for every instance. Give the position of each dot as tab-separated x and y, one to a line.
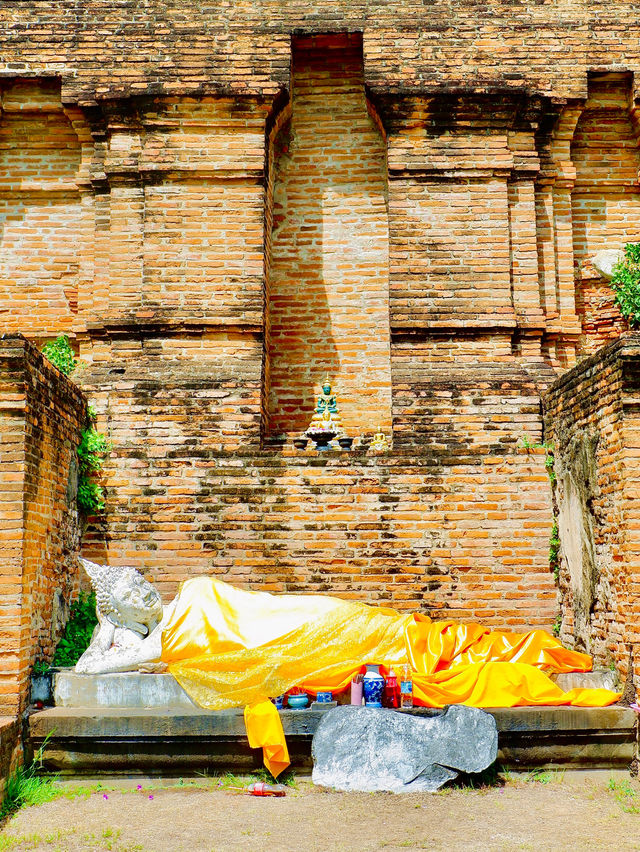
136	690
177	741
127	690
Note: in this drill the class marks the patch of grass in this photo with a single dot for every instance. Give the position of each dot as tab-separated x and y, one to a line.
626	795
25	841
24	787
32	841
288	777
229	781
545	776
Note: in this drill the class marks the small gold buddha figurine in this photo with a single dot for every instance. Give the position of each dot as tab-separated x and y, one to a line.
379	444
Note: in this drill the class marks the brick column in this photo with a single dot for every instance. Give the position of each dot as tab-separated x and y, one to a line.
41	415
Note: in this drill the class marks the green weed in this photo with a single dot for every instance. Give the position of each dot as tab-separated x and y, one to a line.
625	795
24	841
24	787
545	776
77	632
287	777
92	450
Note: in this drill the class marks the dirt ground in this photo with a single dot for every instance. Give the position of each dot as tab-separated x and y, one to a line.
547	811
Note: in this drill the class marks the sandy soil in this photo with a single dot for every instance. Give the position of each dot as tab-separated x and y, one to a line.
574	811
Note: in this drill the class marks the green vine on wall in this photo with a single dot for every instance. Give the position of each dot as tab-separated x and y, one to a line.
93	446
554	550
92	450
626	284
60	353
549	458
549	462
554	538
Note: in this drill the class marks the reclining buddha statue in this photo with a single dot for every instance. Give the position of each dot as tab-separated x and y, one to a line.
228	647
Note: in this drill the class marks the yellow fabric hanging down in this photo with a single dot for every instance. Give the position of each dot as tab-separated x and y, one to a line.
231	648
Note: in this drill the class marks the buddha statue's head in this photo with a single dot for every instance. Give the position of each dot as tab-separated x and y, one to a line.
124	597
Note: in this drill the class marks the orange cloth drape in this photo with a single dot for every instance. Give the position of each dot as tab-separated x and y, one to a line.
230	648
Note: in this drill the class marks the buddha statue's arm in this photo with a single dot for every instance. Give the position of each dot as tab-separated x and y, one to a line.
104	656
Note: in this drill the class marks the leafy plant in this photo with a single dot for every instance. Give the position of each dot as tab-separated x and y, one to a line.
78	631
626	284
60	353
549	458
40	667
25	787
549	461
557	625
554	550
92	449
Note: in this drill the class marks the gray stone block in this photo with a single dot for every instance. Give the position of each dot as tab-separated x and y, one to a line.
126	690
598	679
365	749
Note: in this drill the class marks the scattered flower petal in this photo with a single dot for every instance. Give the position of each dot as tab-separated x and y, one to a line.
151	797
139	787
104	796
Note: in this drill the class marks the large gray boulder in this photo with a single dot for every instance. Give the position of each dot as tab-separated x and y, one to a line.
364	749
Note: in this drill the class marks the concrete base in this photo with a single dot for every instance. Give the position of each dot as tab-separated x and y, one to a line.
174	741
146	723
128	690
134	690
598	679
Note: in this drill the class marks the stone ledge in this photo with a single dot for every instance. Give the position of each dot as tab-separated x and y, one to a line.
91	740
127	689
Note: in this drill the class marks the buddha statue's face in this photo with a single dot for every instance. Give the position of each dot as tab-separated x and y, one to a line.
138	604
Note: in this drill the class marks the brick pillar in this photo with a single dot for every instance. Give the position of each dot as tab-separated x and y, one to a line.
41	415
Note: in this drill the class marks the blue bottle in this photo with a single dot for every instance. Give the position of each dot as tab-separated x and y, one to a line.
373	686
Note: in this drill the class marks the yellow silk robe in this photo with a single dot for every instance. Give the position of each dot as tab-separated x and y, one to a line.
231	648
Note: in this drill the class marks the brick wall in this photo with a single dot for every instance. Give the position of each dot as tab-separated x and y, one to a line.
592	417
40	210
42	413
232	211
105	51
454	521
